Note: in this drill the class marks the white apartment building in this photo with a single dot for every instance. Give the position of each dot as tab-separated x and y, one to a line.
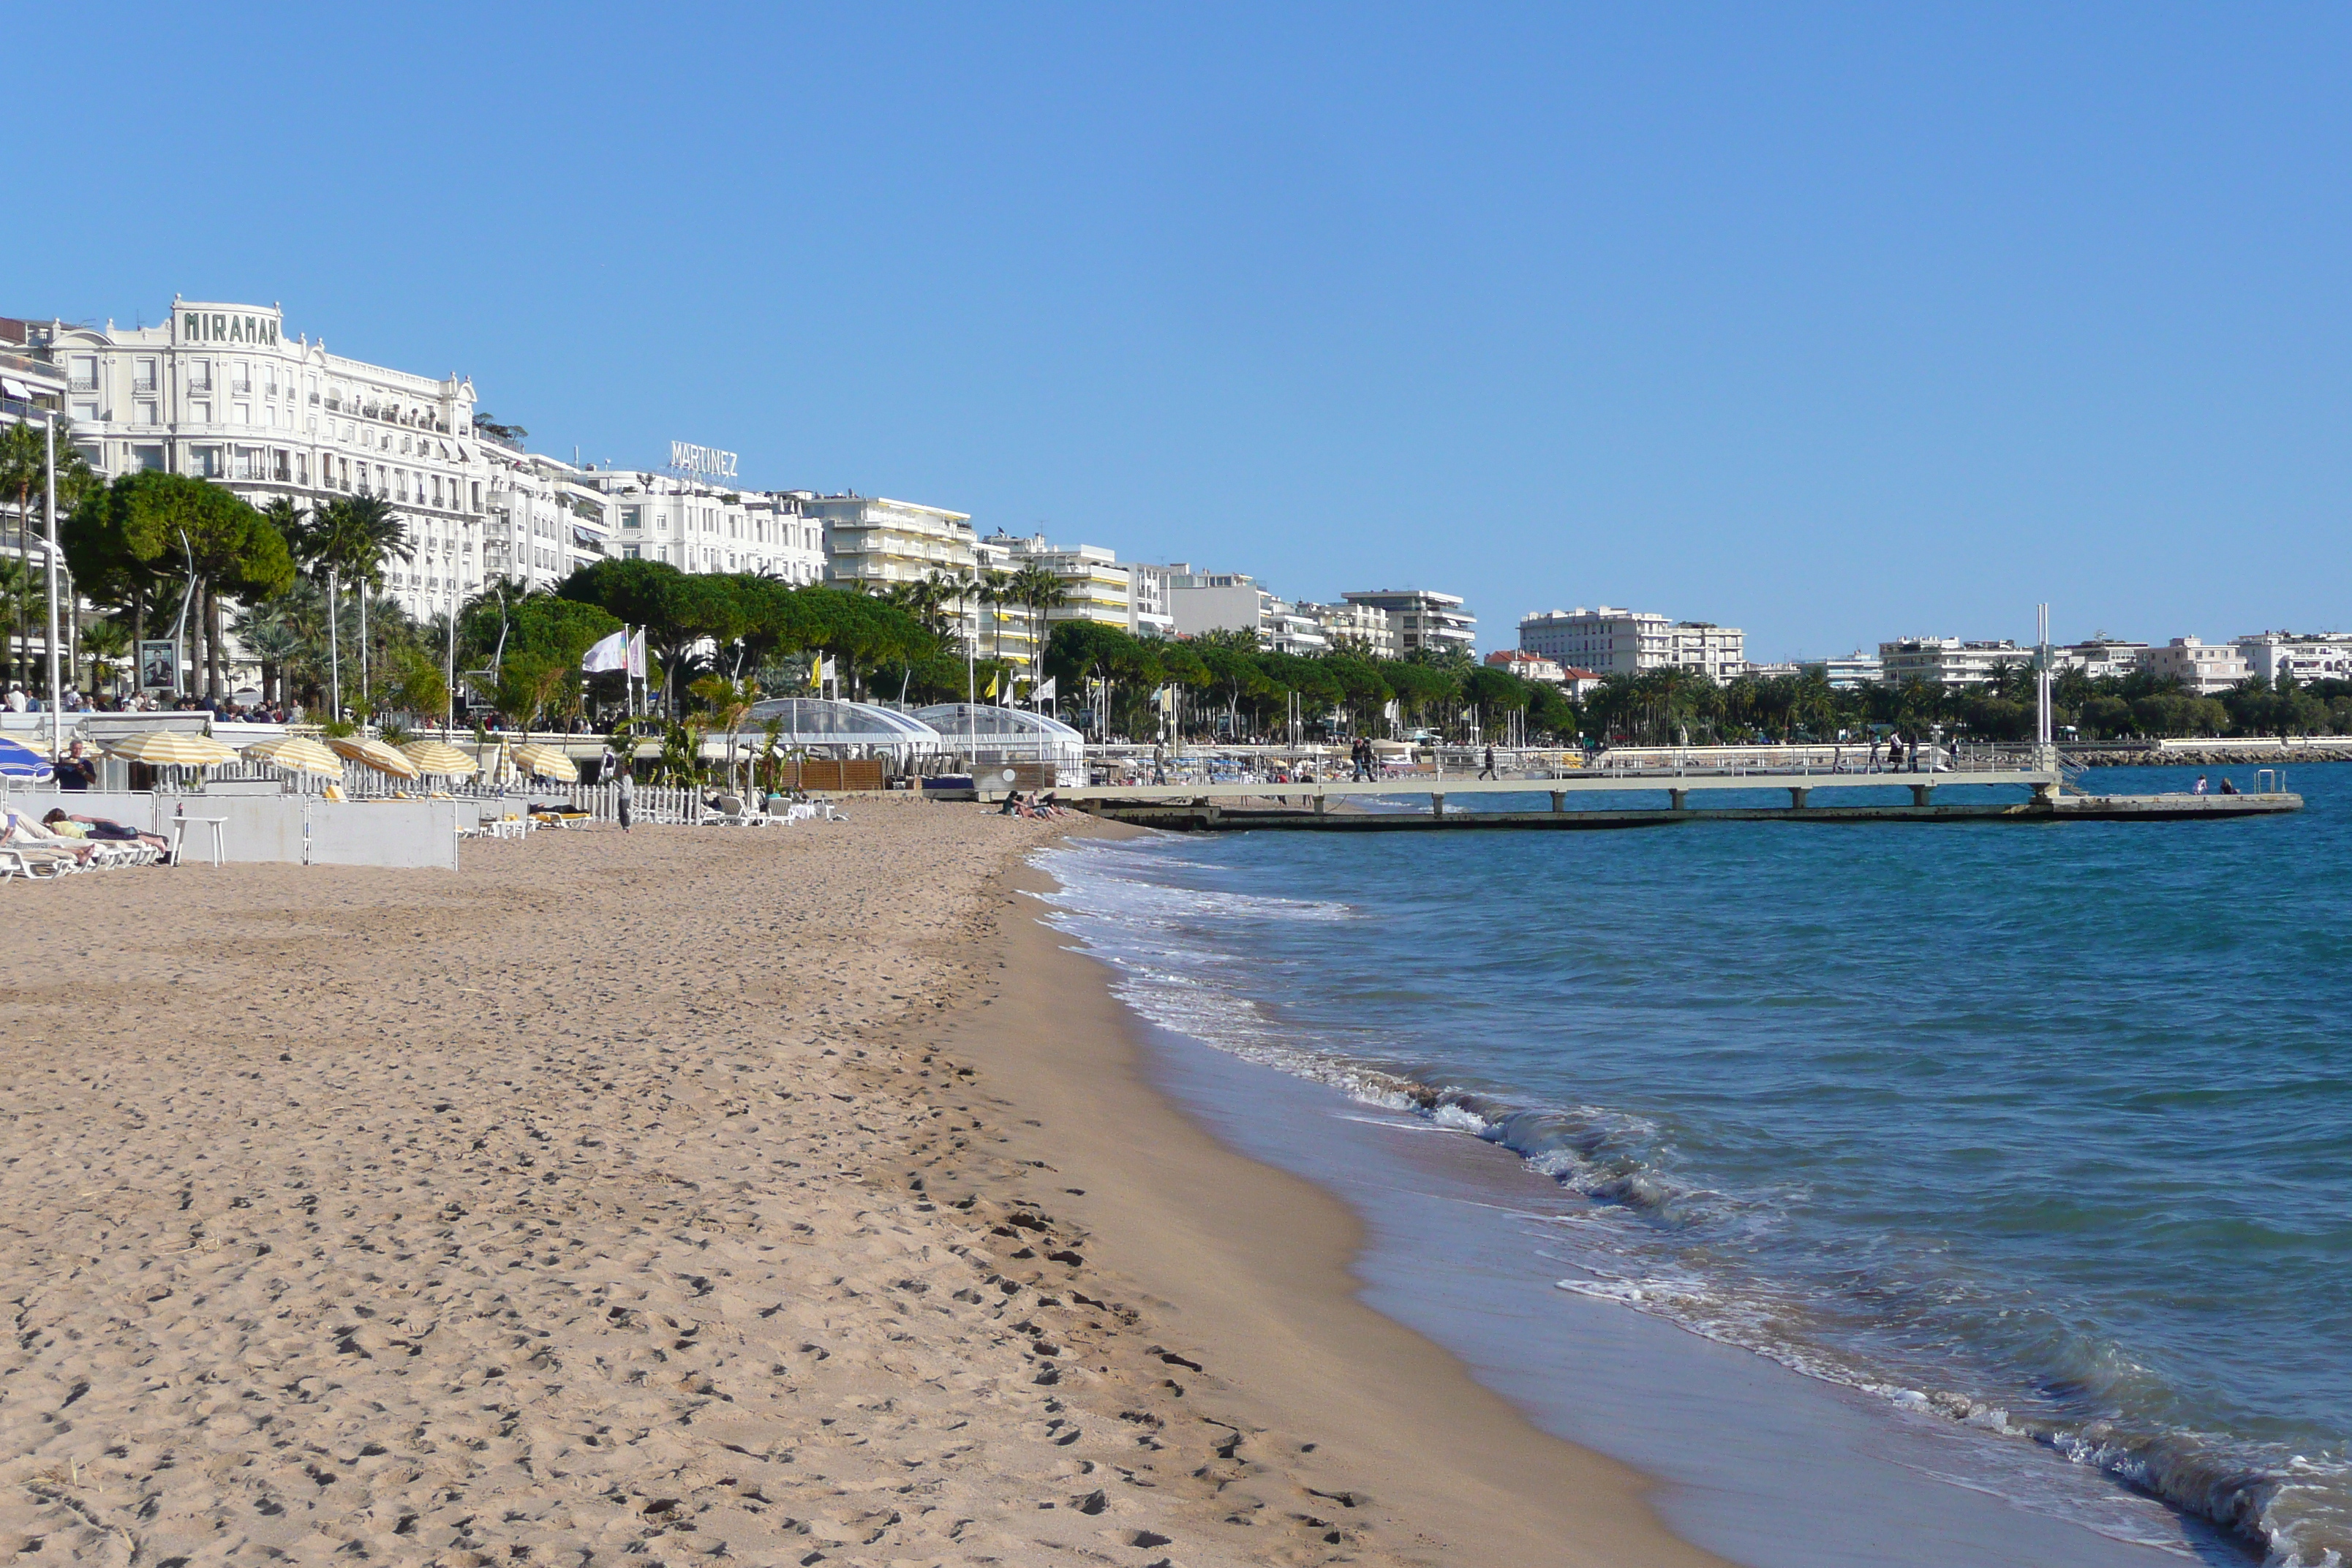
872	541
2202	668
2322	655
633	514
218	391
1363	626
1232	601
1948	662
1147	599
1615	641
1850	673
1423	619
2100	657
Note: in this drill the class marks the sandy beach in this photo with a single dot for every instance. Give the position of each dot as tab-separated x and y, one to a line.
786	1195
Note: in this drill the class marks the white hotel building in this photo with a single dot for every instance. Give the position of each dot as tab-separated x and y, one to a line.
1609	641
219	391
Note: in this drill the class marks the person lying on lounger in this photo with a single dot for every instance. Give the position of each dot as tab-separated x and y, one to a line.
99	827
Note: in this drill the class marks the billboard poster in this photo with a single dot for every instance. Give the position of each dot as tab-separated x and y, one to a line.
159	665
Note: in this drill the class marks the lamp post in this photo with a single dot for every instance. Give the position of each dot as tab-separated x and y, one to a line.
50	475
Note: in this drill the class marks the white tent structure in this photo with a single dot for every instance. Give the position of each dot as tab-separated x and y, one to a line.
994	737
838	728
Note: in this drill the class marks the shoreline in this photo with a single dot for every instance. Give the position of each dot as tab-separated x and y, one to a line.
1257	1264
625	1198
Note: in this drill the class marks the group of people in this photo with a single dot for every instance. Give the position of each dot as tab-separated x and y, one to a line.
60	830
1031	804
2229	785
20	700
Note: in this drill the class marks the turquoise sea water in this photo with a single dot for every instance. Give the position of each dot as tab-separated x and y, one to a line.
2046	1128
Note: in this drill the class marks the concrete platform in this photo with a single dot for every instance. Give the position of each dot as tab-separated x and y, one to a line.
1211	817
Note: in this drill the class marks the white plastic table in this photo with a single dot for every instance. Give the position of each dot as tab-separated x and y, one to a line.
180	826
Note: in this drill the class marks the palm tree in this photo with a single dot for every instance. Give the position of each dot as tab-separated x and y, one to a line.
105	641
1041	590
989	587
275	641
352	540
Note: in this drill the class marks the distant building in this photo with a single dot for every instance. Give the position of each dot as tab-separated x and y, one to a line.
1362	626
1774	671
1851	673
1527	666
1146	598
1423	619
1201	602
1948	662
2100	657
2322	655
2202	668
216	391
1627	642
872	541
693	524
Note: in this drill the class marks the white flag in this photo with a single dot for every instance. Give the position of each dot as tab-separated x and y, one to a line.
637	655
609	654
1044	691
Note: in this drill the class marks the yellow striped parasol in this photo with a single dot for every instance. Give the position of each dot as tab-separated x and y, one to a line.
172	749
374	754
297	754
441	758
546	762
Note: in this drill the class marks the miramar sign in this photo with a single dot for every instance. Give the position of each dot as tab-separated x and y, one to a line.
228	326
708	461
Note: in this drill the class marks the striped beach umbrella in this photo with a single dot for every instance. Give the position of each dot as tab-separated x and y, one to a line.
297	754
172	749
373	754
546	762
18	760
439	757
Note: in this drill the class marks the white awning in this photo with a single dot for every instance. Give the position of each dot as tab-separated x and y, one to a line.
14	388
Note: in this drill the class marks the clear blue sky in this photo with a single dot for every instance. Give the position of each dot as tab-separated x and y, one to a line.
1834	323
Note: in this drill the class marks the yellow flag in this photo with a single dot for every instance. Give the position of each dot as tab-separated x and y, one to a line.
992	688
817	673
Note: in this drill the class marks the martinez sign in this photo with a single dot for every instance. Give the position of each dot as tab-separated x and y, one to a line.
705	460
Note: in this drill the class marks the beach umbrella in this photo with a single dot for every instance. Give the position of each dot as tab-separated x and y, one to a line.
18	760
172	749
546	762
440	757
297	754
374	754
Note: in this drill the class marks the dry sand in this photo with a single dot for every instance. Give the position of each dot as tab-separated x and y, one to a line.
688	1194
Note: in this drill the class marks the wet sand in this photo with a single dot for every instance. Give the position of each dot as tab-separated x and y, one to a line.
686	1193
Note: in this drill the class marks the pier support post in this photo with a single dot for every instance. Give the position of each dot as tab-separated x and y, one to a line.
1319	803
1923	795
1798	795
1560	800
1436	803
1678	799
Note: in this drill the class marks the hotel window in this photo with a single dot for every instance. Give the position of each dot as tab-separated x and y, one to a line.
240	413
243	377
150	412
301	468
145	457
84	371
142	375
200	375
628	552
85	411
632	517
207	461
282	466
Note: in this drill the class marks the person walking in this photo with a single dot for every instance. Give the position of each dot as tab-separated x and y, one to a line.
1489	771
625	795
1158	763
2199	787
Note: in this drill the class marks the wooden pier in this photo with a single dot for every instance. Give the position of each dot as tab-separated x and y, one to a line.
1392	805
